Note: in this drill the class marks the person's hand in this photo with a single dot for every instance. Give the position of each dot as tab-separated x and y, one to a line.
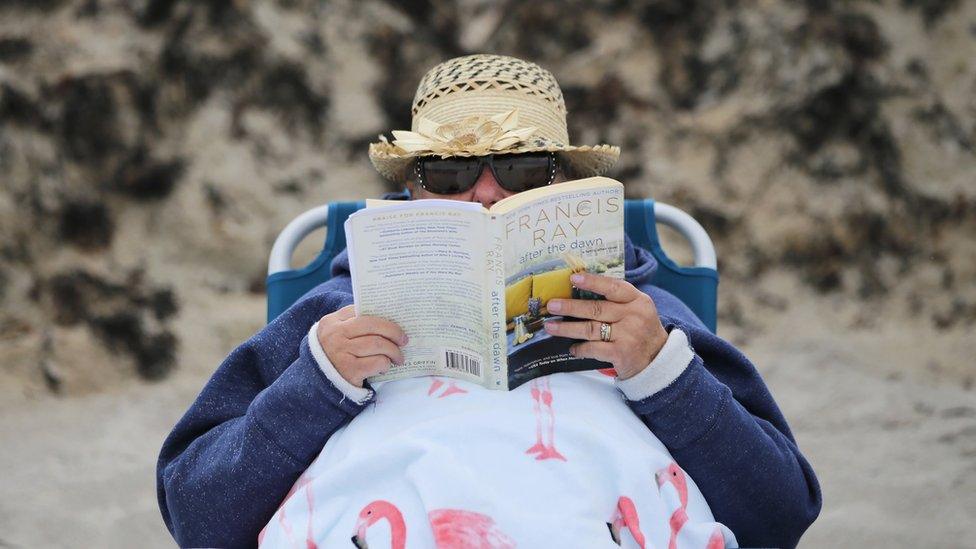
360	346
636	332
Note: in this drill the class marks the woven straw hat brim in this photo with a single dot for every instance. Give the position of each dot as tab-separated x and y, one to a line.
578	161
470	105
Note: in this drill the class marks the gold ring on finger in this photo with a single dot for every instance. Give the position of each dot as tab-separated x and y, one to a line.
604	331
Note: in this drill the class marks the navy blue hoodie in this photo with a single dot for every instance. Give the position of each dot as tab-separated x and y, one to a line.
268	410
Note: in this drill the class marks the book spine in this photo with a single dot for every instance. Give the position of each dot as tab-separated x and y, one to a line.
495	300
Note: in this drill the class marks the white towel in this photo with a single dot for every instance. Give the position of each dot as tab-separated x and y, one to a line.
560	461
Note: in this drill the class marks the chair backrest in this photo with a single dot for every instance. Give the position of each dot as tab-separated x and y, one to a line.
696	286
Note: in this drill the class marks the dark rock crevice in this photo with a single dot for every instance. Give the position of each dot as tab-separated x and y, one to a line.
125	313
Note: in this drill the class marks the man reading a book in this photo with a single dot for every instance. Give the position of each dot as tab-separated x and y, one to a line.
678	442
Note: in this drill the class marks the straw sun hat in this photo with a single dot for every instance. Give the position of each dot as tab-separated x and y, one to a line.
484	104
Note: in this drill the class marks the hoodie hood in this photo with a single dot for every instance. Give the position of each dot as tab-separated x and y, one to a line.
639	264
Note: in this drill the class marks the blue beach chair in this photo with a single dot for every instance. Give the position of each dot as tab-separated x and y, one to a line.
696	286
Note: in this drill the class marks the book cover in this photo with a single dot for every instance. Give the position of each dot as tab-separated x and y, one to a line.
546	241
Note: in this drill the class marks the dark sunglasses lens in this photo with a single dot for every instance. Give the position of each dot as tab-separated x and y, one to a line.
449	175
521	172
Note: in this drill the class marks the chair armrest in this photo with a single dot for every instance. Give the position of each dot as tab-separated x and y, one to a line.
701	245
292	235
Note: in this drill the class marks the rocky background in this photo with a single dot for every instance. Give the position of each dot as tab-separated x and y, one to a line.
150	151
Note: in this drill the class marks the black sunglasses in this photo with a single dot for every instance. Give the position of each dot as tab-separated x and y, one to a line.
514	172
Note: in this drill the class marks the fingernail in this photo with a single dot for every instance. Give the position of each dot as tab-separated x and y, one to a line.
572	350
404	340
576	278
550	327
554	305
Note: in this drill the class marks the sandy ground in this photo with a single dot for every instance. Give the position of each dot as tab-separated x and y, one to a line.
832	142
894	447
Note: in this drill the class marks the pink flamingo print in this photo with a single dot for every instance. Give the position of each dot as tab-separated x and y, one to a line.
674	475
374	512
716	540
625	516
458	529
303	482
452	388
452	528
542	397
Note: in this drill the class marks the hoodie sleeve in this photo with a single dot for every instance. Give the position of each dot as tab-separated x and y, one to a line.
721	424
261	419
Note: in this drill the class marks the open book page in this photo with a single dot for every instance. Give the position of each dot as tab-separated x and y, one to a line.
551	233
421	264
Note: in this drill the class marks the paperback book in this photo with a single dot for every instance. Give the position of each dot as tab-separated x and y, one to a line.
469	285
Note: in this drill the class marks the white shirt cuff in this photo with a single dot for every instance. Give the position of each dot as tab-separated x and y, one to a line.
357	394
673	358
